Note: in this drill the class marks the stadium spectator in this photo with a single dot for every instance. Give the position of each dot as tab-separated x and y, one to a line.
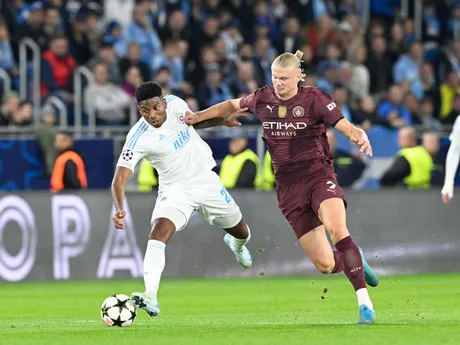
45	135
163	79
32	28
115	36
412	105
23	115
451	61
268	180
140	30
176	28
396	45
289	39
10	104
241	167
426	116
7	61
454	20
340	96
414	164
94	32
263	56
79	44
106	56
244	82
431	30
52	25
448	92
330	76
407	68
133	59
132	80
360	78
106	100
215	90
380	66
69	168
430	90
367	115
170	59
119	10
344	73
393	108
57	70
348	167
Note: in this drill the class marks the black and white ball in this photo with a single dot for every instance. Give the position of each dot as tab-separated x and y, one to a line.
118	311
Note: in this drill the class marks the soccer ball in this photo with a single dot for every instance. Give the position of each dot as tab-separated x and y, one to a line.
118	310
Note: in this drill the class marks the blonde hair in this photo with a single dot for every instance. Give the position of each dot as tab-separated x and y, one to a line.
290	60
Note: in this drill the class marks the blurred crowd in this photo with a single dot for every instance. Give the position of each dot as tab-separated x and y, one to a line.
207	51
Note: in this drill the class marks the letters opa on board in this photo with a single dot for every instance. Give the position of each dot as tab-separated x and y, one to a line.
71	227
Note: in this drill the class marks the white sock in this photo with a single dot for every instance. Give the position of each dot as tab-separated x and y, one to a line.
363	298
154	263
239	243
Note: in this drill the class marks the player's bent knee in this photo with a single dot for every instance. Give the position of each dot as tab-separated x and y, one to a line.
325	267
162	230
337	232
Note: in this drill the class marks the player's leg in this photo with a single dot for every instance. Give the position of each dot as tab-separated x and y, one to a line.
236	239
318	249
170	215
221	210
312	237
332	214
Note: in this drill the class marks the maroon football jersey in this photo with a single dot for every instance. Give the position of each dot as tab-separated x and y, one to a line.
294	129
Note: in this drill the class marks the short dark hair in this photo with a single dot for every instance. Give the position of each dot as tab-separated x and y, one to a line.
148	90
64	133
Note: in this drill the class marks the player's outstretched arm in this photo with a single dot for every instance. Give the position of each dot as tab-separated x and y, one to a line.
122	176
220	110
229	121
356	135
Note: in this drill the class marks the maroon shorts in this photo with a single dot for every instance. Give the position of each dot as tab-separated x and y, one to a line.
300	200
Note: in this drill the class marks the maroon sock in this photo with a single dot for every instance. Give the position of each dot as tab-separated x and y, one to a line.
338	262
352	262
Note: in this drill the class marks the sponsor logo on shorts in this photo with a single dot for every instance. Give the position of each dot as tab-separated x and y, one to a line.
298	111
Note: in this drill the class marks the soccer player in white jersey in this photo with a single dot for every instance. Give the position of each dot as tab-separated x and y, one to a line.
187	183
453	156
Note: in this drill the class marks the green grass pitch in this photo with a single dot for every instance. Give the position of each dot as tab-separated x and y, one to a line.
410	310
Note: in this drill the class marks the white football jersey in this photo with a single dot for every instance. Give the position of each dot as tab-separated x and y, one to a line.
455	130
175	149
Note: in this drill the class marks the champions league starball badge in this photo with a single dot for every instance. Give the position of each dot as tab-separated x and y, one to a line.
127	155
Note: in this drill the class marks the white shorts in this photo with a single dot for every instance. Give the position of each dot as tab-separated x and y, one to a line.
208	196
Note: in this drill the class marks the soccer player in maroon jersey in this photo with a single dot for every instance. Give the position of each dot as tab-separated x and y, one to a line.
293	118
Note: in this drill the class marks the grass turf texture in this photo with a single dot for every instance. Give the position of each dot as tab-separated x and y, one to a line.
410	310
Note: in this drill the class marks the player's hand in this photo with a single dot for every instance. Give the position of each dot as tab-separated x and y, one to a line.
191	118
447	194
360	139
118	219
232	119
